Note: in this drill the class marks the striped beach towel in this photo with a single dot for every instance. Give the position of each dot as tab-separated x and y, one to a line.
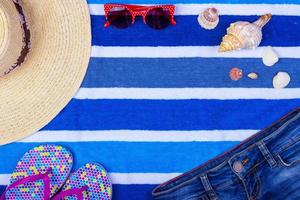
155	104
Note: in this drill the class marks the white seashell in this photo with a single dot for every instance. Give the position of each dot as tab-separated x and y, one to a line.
281	80
209	18
244	35
269	57
253	75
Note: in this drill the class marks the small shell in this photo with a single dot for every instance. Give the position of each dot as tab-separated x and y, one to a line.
235	74
281	80
209	18
269	57
253	75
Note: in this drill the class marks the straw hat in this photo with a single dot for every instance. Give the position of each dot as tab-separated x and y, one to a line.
44	52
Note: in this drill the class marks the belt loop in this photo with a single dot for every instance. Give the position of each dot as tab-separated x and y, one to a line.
266	153
207	186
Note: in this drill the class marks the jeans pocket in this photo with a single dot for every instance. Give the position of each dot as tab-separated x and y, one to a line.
290	155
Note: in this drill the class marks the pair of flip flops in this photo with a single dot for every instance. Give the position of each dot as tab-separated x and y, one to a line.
44	173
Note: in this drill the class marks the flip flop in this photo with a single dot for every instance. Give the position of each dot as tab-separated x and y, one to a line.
90	182
39	174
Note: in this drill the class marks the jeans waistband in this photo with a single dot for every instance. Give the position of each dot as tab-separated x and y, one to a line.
261	146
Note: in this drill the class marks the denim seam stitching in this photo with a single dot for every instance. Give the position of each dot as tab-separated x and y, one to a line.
284	164
205	182
171	189
289	144
226	184
196	195
282	127
207	186
258	184
266	153
216	168
253	168
245	189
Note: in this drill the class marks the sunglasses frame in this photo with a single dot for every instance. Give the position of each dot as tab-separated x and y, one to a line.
137	10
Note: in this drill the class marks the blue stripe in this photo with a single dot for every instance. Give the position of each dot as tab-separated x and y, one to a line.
170	114
280	31
184	72
195	1
121	192
2	188
135	192
128	157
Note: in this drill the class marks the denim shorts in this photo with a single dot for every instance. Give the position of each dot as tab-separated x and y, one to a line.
265	166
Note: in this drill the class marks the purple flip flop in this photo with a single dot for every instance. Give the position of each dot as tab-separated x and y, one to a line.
39	174
90	182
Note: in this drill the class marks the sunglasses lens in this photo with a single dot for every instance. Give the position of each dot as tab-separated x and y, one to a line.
158	18
119	17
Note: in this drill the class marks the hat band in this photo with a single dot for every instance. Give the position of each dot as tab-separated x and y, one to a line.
26	38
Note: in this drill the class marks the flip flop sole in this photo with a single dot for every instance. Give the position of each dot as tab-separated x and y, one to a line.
95	177
39	160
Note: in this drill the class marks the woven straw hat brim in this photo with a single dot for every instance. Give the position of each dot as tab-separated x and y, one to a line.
34	93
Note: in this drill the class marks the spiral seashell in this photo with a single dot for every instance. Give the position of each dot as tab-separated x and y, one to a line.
209	18
244	35
235	74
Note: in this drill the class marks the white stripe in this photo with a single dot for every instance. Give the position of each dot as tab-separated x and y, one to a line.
186	52
4	179
188	93
225	9
123	178
141	178
139	136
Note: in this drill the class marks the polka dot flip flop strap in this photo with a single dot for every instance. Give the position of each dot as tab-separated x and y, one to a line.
33	178
39	174
90	182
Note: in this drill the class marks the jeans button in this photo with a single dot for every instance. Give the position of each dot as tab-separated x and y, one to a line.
238	166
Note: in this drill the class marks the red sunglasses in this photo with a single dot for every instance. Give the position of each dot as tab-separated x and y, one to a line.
123	15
